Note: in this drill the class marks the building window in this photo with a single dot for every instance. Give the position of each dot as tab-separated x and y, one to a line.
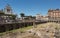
8	10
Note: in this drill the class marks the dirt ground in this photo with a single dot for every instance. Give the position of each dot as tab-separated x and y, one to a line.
46	30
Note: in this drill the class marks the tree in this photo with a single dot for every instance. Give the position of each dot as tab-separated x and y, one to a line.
22	15
13	16
1	12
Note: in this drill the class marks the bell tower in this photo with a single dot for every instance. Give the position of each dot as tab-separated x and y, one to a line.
8	9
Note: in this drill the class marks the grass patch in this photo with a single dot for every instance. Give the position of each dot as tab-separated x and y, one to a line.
25	28
16	30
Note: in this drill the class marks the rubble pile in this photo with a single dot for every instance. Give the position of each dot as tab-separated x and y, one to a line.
49	30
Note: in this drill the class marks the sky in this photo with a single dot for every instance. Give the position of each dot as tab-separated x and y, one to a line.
31	7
